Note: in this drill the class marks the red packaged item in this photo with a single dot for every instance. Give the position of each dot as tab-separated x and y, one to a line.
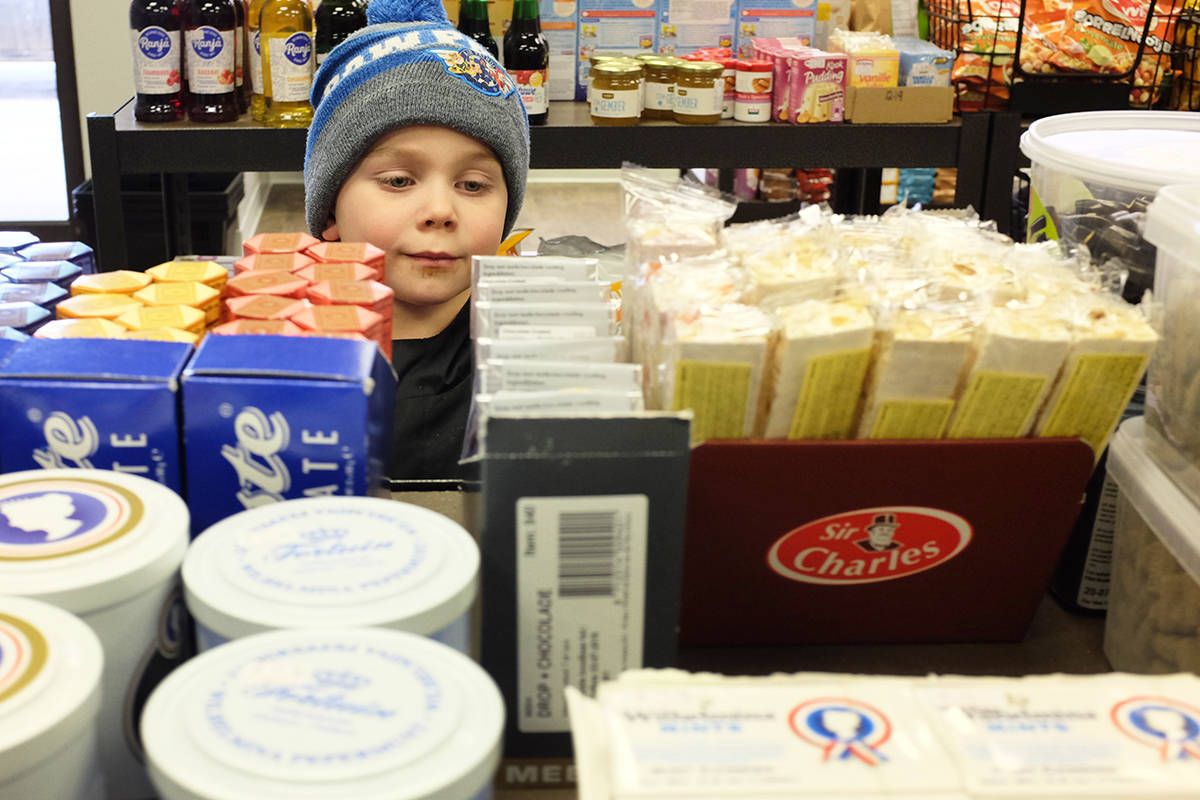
276	327
278	243
265	262
262	306
343	319
273	282
359	252
344	271
371	295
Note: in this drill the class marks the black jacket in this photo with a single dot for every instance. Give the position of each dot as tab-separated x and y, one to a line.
433	396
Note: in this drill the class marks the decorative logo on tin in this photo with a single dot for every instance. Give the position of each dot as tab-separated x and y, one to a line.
869	545
209	43
1169	726
842	728
482	74
298	48
23	652
56	517
154	42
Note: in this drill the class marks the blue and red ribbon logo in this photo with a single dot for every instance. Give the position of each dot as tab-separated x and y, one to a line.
843	728
1167	725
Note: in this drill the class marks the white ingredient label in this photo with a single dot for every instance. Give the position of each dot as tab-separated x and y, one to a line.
700	102
210	61
291	61
1097	567
581	596
155	61
625	103
256	72
659	96
545	332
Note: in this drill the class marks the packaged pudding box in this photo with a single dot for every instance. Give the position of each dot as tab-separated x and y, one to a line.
270	418
93	403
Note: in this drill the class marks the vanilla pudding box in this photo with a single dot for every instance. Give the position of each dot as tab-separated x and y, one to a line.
269	418
93	404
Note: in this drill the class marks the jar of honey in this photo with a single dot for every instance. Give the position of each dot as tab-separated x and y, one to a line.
616	93
699	92
658	81
599	58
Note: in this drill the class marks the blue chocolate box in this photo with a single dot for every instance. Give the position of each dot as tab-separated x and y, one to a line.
270	418
93	403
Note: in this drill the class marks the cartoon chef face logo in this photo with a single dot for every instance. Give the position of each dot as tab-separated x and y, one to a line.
842	728
1167	725
481	74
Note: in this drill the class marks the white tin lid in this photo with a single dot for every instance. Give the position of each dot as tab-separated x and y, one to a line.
361	713
50	665
84	539
331	561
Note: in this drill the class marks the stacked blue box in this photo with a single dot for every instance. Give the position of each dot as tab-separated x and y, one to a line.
12	241
93	403
270	418
23	316
916	185
76	253
8	335
57	272
46	295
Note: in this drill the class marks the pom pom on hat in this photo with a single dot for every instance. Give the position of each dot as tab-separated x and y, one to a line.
384	11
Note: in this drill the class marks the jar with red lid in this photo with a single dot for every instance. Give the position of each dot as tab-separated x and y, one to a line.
754	76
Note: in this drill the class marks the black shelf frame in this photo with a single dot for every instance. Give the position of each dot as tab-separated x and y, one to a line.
119	145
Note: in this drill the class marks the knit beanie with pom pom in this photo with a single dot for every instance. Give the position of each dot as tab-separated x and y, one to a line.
409	66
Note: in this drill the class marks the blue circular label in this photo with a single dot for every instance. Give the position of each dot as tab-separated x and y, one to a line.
154	42
49	518
208	43
298	49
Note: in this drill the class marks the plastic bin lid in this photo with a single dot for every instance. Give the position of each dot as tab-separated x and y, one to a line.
50	665
1139	151
362	713
84	539
1166	509
329	561
1173	219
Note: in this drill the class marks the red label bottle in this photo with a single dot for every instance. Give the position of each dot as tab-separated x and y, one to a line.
157	60
210	35
527	59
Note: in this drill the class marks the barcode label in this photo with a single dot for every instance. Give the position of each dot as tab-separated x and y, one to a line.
586	550
581	597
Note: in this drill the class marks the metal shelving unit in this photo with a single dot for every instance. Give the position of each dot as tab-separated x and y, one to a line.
119	145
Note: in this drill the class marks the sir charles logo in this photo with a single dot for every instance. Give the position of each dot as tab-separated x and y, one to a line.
1169	726
481	74
869	545
844	729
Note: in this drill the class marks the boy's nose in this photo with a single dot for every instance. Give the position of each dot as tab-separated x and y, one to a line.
439	209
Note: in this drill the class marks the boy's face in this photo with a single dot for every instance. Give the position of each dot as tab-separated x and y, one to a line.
430	198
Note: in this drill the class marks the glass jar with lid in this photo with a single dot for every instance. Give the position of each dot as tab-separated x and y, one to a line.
616	93
599	58
699	92
658	82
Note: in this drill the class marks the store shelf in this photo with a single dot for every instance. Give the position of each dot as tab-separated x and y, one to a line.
120	145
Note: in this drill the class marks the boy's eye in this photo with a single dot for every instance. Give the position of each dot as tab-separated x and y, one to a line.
474	187
397	181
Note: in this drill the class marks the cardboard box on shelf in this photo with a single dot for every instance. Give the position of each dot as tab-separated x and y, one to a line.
914	104
93	403
270	418
626	27
774	19
686	27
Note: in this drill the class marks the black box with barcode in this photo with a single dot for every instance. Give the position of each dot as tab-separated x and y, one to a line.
582	551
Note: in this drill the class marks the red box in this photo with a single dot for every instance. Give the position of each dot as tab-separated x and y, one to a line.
276	327
272	282
262	306
345	319
289	262
339	271
875	541
360	252
371	295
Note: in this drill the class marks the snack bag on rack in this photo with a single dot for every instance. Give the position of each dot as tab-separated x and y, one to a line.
787	260
670	217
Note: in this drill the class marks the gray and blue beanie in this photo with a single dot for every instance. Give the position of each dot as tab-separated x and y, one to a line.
409	66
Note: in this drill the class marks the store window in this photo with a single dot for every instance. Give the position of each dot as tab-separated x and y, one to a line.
40	152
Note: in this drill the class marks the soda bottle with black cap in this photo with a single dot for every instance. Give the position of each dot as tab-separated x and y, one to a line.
154	27
527	59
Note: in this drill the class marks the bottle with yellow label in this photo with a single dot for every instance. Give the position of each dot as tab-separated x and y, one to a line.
286	31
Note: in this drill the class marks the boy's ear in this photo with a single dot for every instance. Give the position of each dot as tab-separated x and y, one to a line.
330	234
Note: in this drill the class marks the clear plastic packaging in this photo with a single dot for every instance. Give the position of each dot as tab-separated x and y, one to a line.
670	217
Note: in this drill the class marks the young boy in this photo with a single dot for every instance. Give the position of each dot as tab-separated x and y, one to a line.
419	145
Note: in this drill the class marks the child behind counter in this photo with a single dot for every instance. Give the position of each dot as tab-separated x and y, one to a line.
419	144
